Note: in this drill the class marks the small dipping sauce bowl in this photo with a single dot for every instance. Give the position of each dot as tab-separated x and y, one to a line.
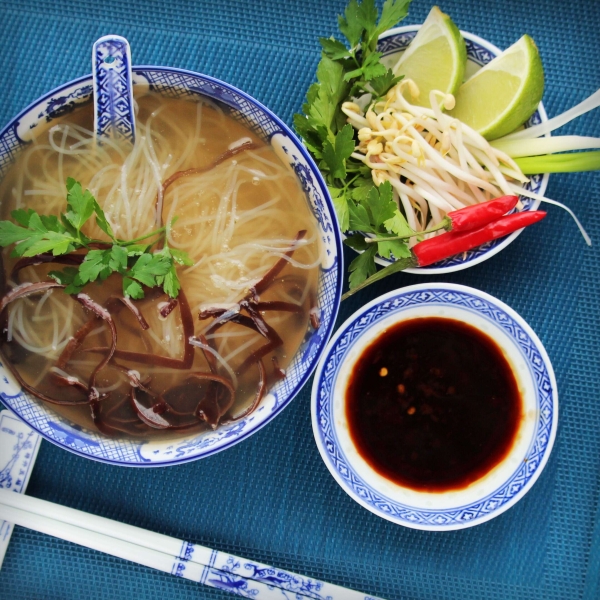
497	489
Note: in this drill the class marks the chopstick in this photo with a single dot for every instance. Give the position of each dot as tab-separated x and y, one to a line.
167	554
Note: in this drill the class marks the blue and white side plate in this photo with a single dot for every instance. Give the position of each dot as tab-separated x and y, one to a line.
187	84
506	483
479	52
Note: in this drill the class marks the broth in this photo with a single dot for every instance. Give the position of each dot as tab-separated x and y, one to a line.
242	217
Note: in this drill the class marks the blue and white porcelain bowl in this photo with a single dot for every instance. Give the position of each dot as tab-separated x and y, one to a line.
496	491
479	52
187	84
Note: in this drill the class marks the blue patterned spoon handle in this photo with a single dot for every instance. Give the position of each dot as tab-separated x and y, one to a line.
114	116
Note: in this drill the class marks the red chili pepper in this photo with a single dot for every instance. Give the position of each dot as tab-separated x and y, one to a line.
473	217
466	219
448	244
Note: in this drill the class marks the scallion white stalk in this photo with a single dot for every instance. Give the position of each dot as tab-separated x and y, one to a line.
588	104
529	194
540	146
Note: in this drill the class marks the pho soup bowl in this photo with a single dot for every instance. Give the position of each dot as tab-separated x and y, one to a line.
479	52
422	431
177	83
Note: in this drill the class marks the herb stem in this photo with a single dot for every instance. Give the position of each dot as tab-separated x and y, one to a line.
143	237
442	225
350	182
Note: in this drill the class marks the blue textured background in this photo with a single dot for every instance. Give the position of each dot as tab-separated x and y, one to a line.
271	498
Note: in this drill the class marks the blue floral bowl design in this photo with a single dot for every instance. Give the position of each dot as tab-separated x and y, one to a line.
187	84
479	52
506	483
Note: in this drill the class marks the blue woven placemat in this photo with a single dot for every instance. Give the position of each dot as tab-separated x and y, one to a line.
272	498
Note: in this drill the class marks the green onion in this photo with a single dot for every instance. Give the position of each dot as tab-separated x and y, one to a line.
560	163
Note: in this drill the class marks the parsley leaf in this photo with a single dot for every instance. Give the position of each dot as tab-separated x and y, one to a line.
11	233
170	282
341	207
396	247
398	225
148	267
335	155
181	257
392	12
35	238
371	68
312	136
359	217
327	100
321	114
132	289
351	23
81	204
51	223
69	277
102	221
334	48
22	216
118	258
362	189
96	264
382	83
363	266
367	13
381	203
54	242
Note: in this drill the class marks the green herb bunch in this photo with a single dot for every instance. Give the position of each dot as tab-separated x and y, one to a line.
344	73
133	260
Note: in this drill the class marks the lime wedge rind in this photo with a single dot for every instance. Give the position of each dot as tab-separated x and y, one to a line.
502	95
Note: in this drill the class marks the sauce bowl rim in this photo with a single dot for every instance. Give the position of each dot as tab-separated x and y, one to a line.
344	468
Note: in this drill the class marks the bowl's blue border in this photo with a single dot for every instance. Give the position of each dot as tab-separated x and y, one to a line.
284	129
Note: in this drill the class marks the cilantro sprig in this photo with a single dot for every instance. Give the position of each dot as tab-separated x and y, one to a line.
35	234
344	73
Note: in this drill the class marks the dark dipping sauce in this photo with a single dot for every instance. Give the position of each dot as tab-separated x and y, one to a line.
433	404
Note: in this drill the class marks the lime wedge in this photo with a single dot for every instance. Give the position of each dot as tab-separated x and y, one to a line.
435	59
505	93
